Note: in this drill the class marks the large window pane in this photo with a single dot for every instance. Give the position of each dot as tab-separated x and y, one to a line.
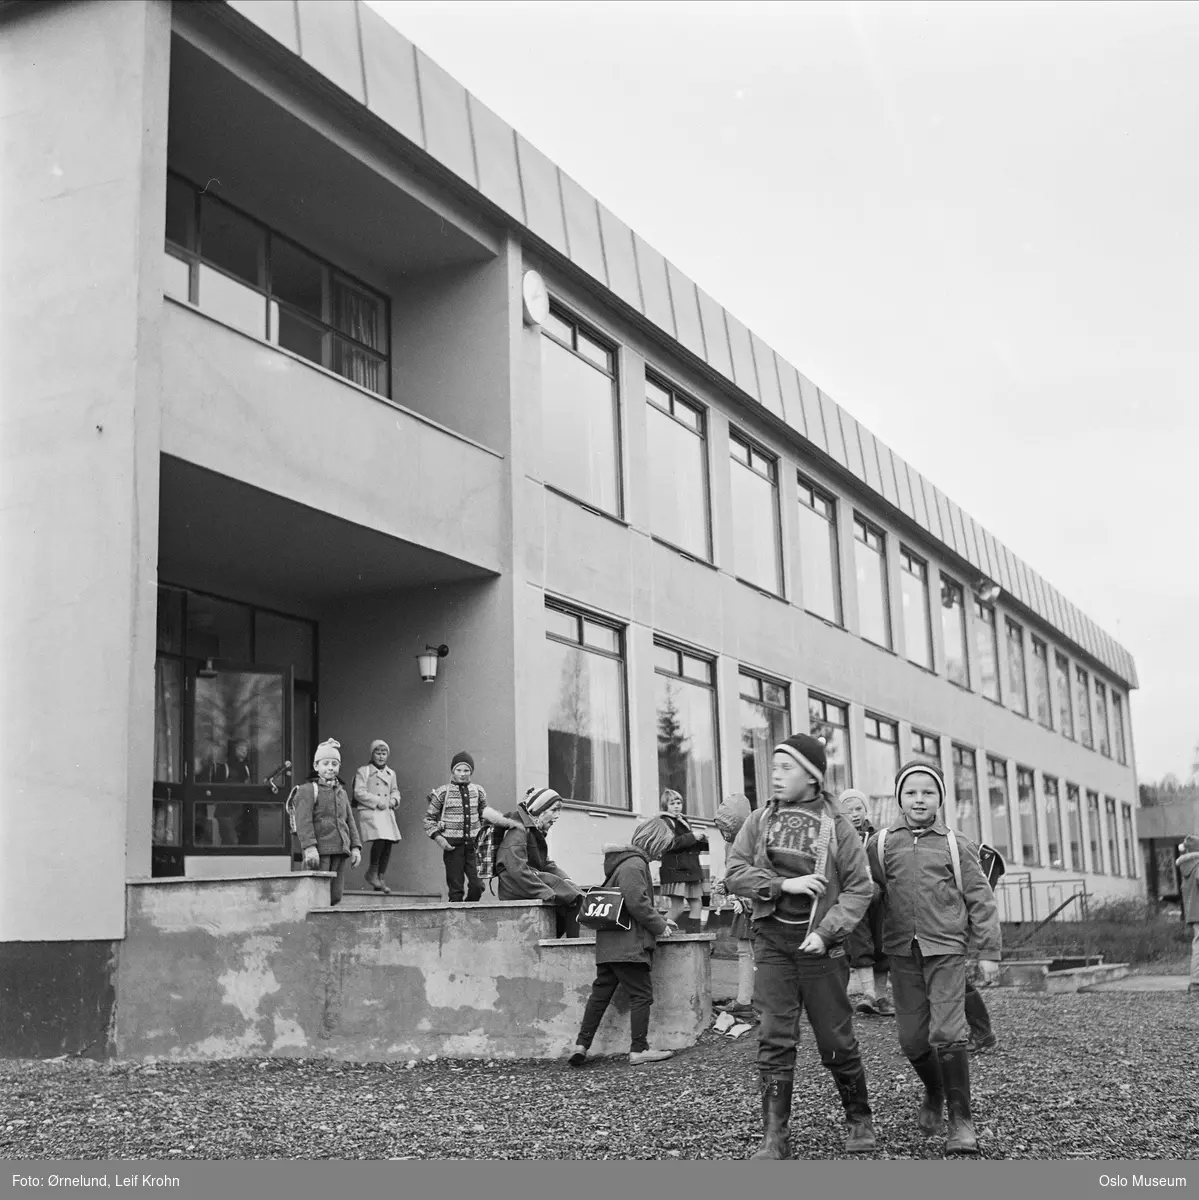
1065	710
881	762
1113	847
1118	728
1074	827
763	726
586	721
869	552
1030	836
297	278
1053	823
686	718
232	242
986	650
578	427
168	720
953	629
819	570
1095	833
1129	841
1017	682
1101	727
1082	694
228	823
917	631
238	727
231	302
1001	828
1040	683
830	721
296	333
965	786
755	521
678	482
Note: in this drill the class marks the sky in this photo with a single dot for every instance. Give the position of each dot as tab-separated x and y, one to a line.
972	225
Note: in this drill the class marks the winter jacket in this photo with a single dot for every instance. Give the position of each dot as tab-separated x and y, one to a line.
1188	871
627	868
524	869
375	789
750	872
864	946
445	817
680	864
921	899
325	820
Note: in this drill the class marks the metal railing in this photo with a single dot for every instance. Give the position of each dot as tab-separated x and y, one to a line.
1022	899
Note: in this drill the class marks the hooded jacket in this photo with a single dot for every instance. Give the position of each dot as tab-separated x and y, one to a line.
324	819
680	864
627	868
524	869
1188	874
750	873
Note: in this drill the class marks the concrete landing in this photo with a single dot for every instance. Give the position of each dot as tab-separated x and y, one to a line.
1141	983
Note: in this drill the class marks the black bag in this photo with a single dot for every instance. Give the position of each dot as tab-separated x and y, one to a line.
602	908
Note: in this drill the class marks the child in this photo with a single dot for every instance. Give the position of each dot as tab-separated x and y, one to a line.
376	797
523	866
681	875
867	962
1188	893
800	862
928	925
625	956
325	822
730	816
453	820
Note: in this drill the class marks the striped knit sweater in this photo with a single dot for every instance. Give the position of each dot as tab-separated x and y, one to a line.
445	816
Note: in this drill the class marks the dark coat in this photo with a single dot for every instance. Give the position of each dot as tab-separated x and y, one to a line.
627	868
324	820
864	945
524	869
680	864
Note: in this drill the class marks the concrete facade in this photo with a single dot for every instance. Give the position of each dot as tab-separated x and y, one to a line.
201	455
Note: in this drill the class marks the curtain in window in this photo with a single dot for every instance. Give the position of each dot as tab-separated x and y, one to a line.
356	314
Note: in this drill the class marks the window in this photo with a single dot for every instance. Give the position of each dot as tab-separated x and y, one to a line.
765	721
819	568
1113	847
870	563
1001	836
1096	833
580	425
1040	683
926	747
829	720
588	759
953	630
917	629
678	478
987	648
685	695
1017	682
882	765
1074	827
965	787
242	273
1129	841
1026	803
1102	735
756	557
1065	709
1083	694
1053	822
1118	728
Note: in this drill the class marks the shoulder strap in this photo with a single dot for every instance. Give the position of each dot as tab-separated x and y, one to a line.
955	858
880	842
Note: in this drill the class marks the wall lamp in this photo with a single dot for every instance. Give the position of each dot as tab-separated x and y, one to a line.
427	662
987	591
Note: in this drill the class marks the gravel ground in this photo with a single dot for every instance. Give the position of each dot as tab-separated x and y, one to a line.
1109	1075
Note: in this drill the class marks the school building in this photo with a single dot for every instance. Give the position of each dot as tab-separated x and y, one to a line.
312	363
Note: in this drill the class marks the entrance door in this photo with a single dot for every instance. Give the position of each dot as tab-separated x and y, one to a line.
240	738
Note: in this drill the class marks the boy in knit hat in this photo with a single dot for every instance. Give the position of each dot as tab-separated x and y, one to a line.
800	862
929	923
454	819
1188	891
325	824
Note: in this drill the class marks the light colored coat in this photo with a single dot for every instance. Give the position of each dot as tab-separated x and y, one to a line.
376	798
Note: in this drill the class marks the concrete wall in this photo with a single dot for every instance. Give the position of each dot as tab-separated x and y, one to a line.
81	224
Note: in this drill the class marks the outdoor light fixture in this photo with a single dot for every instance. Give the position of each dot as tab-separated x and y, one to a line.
987	591
427	662
207	671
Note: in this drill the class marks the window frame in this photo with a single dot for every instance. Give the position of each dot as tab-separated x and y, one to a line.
1043	659
738	437
842	707
1111	813
1001	775
1061	665
677	396
958	753
1013	639
981	609
1051	785
947	581
1120	745
684	651
1095	832
1103	735
817	493
870	529
762	681
1082	685
907	557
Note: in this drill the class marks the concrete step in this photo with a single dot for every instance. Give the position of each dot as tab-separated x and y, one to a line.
371	899
1034	975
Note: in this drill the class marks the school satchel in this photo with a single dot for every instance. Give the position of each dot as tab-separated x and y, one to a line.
602	908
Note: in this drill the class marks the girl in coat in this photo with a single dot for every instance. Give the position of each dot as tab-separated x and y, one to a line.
868	968
625	956
325	822
681	875
376	798
731	815
523	867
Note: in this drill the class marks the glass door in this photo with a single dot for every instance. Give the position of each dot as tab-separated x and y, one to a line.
239	745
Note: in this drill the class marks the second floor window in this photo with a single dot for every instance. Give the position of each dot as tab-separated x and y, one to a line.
1083	694
1102	738
953	629
754	481
1065	709
1040	683
917	631
678	469
987	646
245	275
1017	683
1118	728
580	427
870	563
819	571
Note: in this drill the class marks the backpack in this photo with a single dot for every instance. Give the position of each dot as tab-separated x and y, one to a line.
731	815
487	849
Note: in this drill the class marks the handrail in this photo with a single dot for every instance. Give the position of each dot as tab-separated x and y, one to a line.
1041	925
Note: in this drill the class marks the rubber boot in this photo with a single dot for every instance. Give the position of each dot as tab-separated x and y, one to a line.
776	1116
931	1118
955	1071
851	1087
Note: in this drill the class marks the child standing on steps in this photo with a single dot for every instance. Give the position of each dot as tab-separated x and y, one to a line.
930	920
325	823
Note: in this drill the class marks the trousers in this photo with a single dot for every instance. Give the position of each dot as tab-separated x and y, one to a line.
462	872
638	983
930	1001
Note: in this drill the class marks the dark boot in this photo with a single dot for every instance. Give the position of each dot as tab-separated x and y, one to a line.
932	1108
979	1020
851	1087
955	1070
776	1116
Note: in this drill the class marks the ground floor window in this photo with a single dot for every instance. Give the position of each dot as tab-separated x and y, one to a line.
1030	836
685	703
881	756
1129	842
1001	827
765	721
1053	823
1095	833
830	721
965	787
1113	843
1074	827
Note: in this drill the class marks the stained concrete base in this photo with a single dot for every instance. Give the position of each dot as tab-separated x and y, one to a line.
1142	983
